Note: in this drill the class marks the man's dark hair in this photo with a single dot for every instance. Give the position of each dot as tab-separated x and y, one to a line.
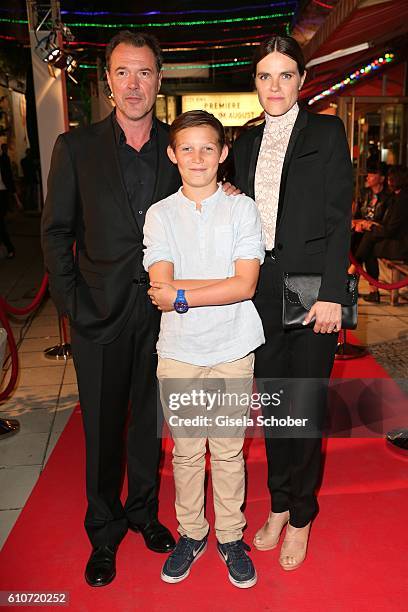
375	167
136	39
196	118
400	176
284	44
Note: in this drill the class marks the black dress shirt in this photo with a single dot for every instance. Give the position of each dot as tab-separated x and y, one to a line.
139	168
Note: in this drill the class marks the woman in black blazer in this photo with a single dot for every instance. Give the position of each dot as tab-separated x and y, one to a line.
297	167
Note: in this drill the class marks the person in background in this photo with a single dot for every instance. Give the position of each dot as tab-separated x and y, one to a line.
397	248
30	173
7	189
391	235
388	238
371	207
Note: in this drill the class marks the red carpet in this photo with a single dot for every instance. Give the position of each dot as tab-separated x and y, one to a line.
356	560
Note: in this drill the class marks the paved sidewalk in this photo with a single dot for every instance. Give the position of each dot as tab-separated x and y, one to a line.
47	393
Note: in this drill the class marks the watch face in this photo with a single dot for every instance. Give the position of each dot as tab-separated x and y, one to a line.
180	306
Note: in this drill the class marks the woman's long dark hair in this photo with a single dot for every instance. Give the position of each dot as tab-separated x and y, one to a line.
283	44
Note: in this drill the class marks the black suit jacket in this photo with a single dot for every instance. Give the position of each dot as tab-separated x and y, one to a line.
314	212
87	203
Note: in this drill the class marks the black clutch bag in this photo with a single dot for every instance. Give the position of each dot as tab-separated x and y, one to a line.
300	292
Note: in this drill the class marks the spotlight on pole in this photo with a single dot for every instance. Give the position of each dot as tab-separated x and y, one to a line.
52	52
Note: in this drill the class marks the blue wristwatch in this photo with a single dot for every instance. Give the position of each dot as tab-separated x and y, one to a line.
180	304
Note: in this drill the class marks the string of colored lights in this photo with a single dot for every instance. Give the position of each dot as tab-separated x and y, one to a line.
178	49
252	41
213	40
186	67
234	62
15	21
235	9
252	26
241	28
171	49
164	49
170	24
167	24
354	77
323	4
211	47
238	40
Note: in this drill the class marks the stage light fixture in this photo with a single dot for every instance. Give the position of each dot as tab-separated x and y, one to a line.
53	54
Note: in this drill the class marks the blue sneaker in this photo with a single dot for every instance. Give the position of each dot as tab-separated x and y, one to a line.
179	562
241	571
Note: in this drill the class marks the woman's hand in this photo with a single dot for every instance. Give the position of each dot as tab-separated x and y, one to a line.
162	295
327	317
368	225
356	225
230	189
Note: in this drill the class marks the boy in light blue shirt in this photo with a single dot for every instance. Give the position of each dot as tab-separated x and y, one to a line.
203	252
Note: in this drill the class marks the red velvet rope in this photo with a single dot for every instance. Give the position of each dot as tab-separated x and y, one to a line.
34	304
14	355
373	281
7	308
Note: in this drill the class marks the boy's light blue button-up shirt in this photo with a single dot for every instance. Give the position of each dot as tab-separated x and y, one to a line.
205	245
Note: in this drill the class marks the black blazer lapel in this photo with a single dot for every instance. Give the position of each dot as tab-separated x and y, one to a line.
111	169
300	124
161	161
256	145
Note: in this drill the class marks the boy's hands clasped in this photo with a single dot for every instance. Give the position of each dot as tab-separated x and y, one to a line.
163	295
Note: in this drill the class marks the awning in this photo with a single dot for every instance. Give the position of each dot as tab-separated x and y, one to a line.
383	25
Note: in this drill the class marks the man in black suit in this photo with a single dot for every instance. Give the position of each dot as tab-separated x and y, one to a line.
101	182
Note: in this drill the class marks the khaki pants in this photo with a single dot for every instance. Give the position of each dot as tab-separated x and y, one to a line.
227	462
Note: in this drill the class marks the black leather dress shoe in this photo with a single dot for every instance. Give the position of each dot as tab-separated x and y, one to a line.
398	438
101	567
156	536
8	427
373	297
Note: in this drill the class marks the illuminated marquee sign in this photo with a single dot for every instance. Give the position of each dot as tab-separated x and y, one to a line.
231	109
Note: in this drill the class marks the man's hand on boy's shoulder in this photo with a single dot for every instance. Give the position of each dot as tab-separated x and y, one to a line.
230	189
163	295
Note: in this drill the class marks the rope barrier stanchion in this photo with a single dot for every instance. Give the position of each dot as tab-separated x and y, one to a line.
345	350
13	352
376	283
8	427
11	425
62	350
8	308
